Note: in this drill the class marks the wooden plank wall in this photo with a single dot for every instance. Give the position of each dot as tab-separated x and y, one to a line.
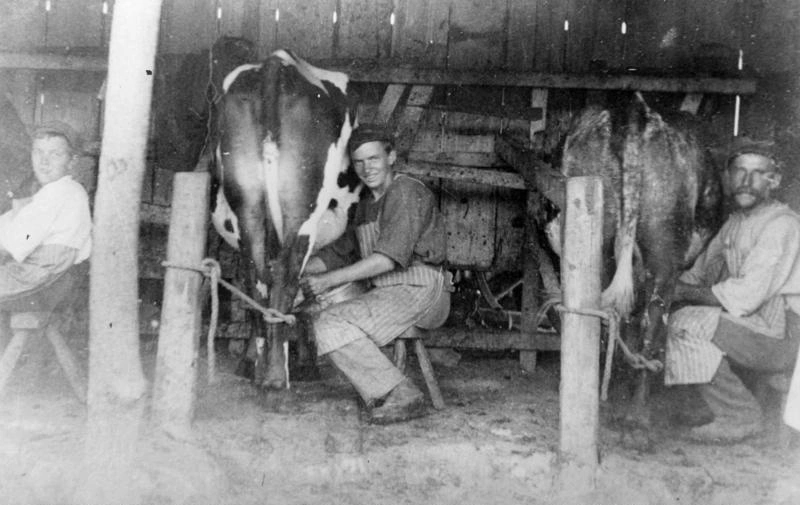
515	34
541	35
510	34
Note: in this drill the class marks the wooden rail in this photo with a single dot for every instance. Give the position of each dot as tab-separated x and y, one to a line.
432	76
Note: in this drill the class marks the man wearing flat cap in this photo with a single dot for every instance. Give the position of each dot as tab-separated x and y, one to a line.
42	236
744	299
399	238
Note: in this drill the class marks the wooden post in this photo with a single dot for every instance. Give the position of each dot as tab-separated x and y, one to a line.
580	336
116	381
176	364
532	283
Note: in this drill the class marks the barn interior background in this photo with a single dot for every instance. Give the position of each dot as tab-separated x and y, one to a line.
479	93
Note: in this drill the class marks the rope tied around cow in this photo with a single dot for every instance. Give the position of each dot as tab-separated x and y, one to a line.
611	318
210	268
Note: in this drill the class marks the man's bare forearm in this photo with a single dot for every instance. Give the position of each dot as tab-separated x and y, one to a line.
695	294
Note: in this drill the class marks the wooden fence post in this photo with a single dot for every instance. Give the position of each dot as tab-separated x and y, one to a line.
580	335
179	335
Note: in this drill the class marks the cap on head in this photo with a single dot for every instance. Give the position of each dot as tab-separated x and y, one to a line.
369	133
747	145
60	128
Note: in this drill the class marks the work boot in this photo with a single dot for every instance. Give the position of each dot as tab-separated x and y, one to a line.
737	414
404	402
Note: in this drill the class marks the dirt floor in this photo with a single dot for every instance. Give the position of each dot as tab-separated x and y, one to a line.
495	443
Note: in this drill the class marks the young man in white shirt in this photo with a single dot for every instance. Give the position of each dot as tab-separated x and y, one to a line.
42	236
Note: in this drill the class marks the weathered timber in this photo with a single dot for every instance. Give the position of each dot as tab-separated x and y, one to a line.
463	174
442	77
459	159
580	336
537	174
489	339
409	121
452	77
154	214
532	283
484	109
176	363
50	61
389	102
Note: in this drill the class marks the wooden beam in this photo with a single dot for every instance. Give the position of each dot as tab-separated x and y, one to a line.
463	174
438	77
435	77
391	97
487	339
45	61
537	174
409	120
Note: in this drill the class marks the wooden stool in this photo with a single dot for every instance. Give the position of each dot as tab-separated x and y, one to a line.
34	314
416	335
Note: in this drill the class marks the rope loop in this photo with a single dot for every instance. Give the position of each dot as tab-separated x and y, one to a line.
209	266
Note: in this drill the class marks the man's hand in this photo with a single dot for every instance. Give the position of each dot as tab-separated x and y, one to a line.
314	285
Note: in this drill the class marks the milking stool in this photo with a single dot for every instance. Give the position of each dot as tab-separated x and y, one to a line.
416	335
35	313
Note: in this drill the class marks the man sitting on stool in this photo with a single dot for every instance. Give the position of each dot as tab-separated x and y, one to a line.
401	239
42	236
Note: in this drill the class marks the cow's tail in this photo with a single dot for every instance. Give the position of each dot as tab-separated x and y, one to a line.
619	295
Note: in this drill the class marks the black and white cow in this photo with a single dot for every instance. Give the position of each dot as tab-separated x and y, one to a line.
281	177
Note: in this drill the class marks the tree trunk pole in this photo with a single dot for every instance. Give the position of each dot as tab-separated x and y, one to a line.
116	382
580	335
179	336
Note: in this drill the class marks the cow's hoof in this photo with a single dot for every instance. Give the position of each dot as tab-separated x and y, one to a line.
306	373
246	369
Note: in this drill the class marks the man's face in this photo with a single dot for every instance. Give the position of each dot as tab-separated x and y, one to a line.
374	166
51	158
752	179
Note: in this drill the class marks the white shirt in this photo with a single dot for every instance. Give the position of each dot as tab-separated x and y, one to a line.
57	214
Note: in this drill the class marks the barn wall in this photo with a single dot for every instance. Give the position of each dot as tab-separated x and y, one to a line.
662	37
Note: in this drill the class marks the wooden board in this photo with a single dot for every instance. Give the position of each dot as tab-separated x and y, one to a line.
579	39
71	97
420	34
521	34
469	213
306	28
607	40
365	31
187	26
477	34
20	87
232	17
510	228
491	340
550	41
655	37
452	142
75	23
21	25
